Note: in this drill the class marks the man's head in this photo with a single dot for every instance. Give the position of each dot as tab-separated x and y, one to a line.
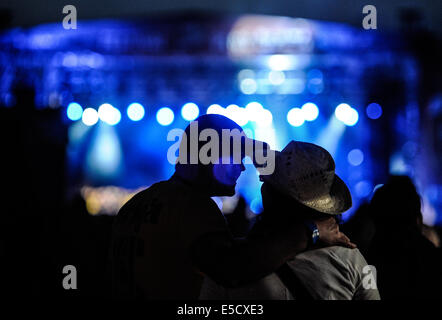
210	158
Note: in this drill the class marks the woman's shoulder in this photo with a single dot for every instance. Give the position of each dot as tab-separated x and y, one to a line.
338	253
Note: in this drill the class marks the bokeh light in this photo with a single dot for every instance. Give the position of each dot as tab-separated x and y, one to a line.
135	111
165	116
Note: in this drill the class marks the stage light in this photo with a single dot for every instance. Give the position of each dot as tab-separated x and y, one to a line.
256	205
265	118
165	116
346	114
363	188
135	111
107	113
374	111
237	114
246	73
355	157
295	117
215	109
104	156
89	117
254	110
248	86
276	77
280	62
74	111
310	111
190	111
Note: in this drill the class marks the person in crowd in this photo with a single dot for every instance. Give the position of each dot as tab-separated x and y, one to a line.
304	187
168	236
408	264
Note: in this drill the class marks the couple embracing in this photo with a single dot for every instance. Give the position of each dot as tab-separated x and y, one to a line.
171	241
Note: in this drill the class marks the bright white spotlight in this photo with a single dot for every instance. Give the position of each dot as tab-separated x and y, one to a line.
248	86
107	113
265	118
254	110
237	114
295	117
135	111
310	111
74	111
190	111
215	109
346	114
280	62
89	117
165	116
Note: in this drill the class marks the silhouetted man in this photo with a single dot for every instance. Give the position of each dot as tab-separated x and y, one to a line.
167	236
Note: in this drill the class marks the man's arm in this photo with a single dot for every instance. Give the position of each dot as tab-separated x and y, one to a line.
234	262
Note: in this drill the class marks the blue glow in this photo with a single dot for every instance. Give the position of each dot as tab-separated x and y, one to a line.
363	188
276	77
107	113
248	86
190	111
346	114
89	116
135	111
215	109
374	111
74	111
104	158
256	205
165	116
310	111
295	117
280	62
355	157
237	114
254	111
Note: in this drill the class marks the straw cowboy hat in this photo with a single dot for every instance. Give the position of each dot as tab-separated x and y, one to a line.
306	172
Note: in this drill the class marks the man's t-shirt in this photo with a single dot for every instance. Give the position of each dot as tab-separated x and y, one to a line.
152	236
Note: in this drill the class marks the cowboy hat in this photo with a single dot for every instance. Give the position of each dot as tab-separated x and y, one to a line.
306	172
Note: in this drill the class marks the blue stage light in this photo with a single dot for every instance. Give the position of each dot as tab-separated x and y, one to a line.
346	114
310	111
74	111
254	111
107	113
215	109
135	111
374	111
165	116
89	116
256	205
248	86
355	157
363	188
295	117
237	114
276	77
190	111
